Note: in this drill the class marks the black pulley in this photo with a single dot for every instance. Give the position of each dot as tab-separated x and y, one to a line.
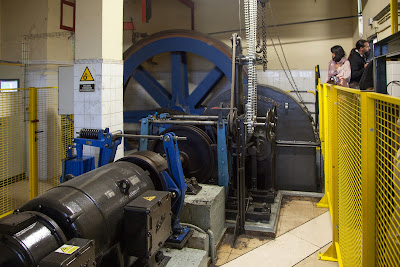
198	159
151	162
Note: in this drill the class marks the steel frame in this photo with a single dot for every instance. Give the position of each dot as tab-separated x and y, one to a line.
223	167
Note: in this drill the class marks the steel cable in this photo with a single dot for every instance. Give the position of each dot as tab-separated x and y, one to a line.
292	82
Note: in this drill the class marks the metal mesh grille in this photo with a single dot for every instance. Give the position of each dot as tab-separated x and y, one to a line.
54	135
349	177
367	204
387	184
328	145
14	185
48	139
67	133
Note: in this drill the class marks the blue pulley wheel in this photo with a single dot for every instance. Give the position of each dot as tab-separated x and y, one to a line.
163	65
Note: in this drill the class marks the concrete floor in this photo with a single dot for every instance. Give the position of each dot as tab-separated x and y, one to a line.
298	215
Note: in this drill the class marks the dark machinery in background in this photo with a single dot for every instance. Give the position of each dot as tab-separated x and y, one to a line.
115	215
279	155
122	213
295	133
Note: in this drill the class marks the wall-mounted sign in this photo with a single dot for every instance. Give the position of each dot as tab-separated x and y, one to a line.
86	83
87	76
86	87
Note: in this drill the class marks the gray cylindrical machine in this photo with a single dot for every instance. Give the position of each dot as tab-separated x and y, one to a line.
89	206
26	238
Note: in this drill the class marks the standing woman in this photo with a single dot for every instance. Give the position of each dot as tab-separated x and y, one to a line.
339	71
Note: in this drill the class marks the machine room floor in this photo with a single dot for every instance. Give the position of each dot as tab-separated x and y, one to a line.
303	232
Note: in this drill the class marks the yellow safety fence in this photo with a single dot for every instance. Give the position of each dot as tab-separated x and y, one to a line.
360	141
33	144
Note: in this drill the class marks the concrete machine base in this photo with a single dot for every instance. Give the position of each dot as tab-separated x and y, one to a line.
206	212
187	257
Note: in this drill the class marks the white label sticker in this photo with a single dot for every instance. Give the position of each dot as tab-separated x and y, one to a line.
134	179
109	194
67	249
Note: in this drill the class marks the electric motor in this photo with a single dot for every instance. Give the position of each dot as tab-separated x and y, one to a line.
90	206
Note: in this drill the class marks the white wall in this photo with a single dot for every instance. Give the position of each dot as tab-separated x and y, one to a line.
19	18
305	45
111	37
370	9
12	72
59	50
91	22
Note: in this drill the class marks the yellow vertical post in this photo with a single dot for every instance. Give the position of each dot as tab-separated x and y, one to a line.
323	203
325	117
368	179
321	102
33	149
332	253
394	16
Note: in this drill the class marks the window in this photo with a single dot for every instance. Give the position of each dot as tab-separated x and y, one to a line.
9	84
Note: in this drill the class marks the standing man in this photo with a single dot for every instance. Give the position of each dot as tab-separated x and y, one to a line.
358	62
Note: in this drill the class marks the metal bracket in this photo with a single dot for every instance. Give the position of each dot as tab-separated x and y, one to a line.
107	144
223	170
145	129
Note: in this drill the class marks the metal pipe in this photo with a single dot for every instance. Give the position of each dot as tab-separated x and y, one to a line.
210	236
184	122
11	64
394	16
154	137
212	246
292	23
201	117
297	143
194	117
360	20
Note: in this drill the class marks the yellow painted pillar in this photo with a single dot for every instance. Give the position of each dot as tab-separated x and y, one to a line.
323	203
33	148
368	171
331	171
394	16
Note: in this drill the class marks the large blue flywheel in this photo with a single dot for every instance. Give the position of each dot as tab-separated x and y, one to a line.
176	95
174	50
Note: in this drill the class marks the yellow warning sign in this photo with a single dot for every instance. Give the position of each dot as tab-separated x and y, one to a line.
150	198
87	76
67	249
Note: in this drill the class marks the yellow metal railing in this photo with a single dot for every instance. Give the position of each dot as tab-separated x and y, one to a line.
33	143
360	134
349	175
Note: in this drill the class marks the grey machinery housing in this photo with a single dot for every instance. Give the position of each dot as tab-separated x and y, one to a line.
90	206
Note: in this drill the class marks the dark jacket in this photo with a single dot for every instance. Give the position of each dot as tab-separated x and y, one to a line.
367	79
357	63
